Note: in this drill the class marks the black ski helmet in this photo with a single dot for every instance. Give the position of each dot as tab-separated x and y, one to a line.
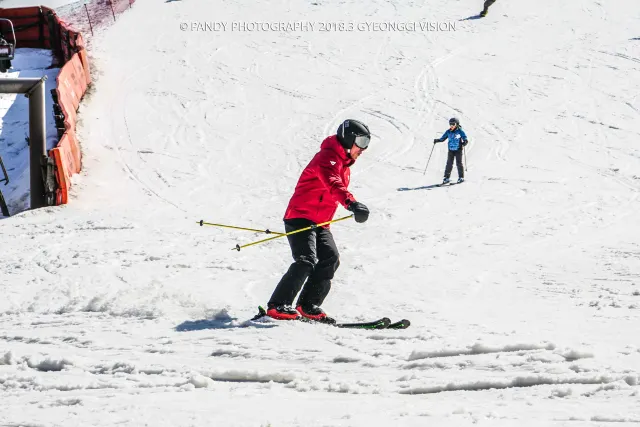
352	132
454	121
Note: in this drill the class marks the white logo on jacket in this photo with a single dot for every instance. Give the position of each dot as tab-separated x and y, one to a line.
332	162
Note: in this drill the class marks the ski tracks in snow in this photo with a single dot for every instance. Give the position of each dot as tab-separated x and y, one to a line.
216	355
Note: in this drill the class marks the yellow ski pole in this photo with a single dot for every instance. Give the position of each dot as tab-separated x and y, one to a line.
238	247
201	222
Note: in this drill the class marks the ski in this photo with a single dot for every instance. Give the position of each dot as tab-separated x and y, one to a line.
376	324
383	323
448	184
402	324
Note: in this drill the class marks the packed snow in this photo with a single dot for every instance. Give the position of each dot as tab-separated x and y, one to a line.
522	284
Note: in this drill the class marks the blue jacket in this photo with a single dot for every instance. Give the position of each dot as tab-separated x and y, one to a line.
455	138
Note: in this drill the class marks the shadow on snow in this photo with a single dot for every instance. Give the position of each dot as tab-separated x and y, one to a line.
471	18
222	321
427	187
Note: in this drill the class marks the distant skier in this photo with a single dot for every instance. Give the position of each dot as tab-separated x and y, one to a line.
457	141
485	10
320	188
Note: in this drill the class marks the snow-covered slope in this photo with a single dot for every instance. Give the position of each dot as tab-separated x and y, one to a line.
522	284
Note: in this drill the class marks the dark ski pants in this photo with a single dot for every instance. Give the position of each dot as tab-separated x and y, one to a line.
316	259
488	3
454	154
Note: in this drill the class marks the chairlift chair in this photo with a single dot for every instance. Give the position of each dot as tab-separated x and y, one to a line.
7	50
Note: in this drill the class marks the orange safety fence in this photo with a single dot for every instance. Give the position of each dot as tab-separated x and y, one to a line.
67	161
31	25
71	85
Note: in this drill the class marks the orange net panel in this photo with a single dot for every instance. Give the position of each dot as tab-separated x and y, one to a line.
31	25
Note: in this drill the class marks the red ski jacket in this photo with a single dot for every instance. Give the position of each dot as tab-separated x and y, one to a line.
323	184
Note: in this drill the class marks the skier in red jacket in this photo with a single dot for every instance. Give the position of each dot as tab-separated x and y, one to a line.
321	187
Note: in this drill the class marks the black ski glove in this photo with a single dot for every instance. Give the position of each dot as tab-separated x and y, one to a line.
465	142
435	141
360	211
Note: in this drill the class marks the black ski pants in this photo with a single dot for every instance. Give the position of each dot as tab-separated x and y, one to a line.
488	3
454	154
316	259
